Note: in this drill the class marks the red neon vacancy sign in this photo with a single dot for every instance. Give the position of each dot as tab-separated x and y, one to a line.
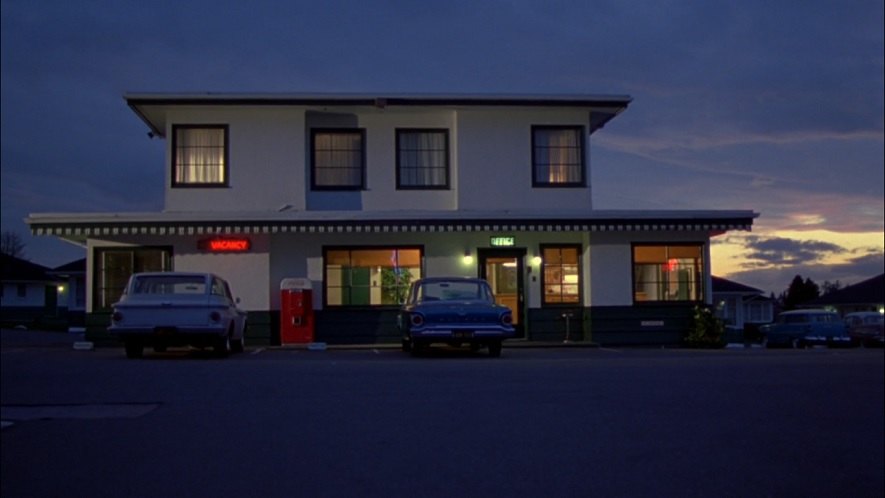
225	244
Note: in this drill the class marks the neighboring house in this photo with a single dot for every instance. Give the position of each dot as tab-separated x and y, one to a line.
362	194
27	292
868	295
740	306
72	292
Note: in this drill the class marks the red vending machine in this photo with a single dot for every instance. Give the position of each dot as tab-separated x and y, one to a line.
296	311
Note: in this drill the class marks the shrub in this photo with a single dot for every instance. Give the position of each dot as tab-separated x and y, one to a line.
706	331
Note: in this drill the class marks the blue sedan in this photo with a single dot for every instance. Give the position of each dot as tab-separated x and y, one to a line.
454	311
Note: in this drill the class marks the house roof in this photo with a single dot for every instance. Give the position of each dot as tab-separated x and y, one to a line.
79	226
152	107
723	286
20	270
870	291
76	266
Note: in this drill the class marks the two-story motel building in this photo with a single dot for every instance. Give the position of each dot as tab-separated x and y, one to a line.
362	194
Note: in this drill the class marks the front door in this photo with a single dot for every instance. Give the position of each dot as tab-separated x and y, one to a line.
503	269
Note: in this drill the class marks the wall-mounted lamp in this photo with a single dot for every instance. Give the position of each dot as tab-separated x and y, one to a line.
536	261
468	258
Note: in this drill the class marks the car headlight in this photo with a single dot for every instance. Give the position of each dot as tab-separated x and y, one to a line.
416	319
117	317
215	316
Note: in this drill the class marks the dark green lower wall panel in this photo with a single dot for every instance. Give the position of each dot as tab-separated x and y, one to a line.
638	325
606	325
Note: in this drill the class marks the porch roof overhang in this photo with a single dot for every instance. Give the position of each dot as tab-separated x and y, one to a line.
81	226
152	108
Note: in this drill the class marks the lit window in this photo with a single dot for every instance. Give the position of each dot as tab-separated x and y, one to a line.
558	156
562	274
338	159
199	156
369	276
422	159
665	273
113	267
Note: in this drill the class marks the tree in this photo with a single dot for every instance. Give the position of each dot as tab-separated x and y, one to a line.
11	244
829	287
800	291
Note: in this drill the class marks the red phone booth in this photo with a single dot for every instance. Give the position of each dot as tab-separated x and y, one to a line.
296	311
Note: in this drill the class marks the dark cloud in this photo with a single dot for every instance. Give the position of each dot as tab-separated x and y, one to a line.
771	106
783	251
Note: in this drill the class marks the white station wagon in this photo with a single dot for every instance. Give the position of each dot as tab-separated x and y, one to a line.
163	309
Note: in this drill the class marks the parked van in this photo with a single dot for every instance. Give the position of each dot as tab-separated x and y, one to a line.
801	328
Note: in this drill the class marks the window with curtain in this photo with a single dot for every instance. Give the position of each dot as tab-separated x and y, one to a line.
558	156
562	274
199	155
338	159
422	159
668	273
114	266
375	276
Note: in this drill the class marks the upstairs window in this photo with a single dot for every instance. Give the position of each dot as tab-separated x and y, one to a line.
199	156
422	159
558	156
668	273
338	159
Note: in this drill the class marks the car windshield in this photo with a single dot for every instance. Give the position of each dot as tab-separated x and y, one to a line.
161	284
452	291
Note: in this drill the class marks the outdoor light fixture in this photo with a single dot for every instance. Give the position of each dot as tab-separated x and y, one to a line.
536	261
468	258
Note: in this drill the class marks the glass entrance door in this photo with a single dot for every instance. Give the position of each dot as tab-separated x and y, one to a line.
503	269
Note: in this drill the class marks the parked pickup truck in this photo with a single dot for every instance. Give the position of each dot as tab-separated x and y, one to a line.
163	309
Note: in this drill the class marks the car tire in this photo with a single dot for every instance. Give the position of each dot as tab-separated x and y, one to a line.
417	348
495	349
134	349
238	346
222	346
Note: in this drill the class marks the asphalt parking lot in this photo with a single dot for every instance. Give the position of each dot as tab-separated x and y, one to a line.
377	422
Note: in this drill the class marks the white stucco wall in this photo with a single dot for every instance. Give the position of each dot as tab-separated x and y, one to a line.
610	263
266	160
490	159
495	160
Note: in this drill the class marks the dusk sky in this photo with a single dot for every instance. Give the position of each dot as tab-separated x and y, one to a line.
771	106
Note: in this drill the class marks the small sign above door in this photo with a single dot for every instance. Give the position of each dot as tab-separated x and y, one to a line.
503	241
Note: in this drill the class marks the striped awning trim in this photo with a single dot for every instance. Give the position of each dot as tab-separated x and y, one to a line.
408	226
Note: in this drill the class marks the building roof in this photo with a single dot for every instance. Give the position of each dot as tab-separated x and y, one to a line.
152	107
79	226
76	266
20	270
870	291
723	286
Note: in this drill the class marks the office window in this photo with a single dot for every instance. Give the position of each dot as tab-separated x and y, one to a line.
562	274
338	159
422	159
558	156
376	276
114	266
199	156
668	273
